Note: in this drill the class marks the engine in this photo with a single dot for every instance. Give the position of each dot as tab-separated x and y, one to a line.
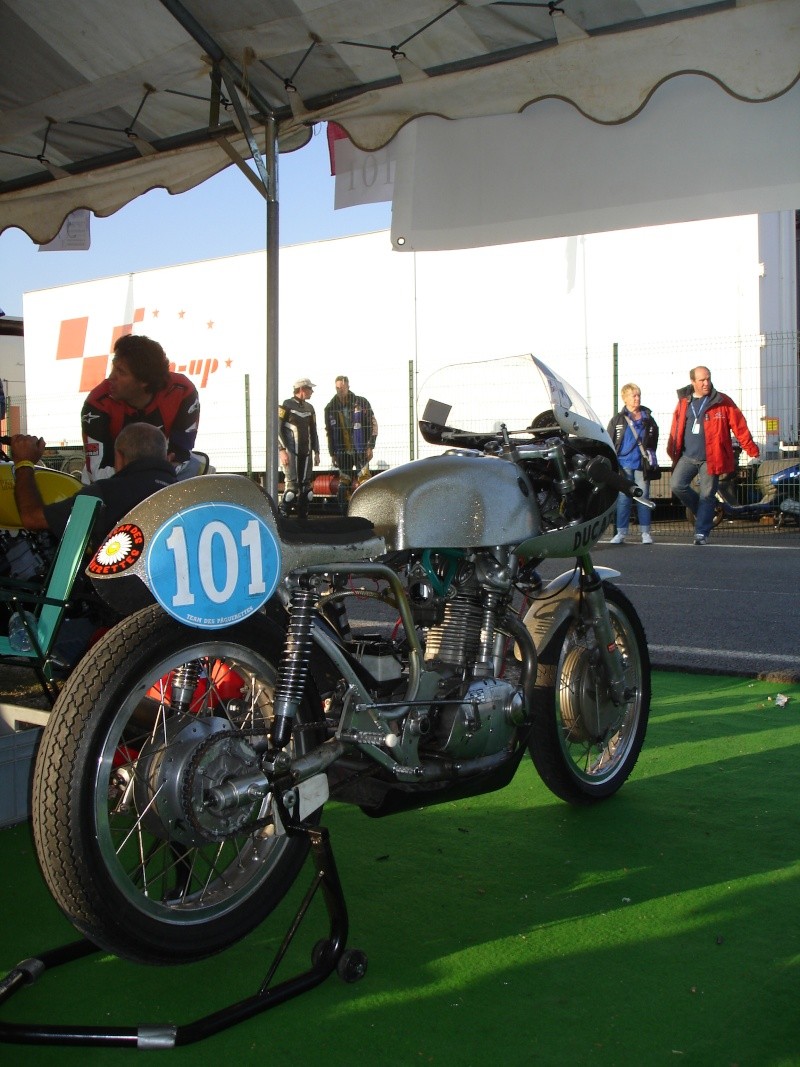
459	599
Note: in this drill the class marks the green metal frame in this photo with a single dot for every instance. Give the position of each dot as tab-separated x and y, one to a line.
48	603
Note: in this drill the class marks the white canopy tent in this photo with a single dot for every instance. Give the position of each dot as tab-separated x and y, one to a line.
101	100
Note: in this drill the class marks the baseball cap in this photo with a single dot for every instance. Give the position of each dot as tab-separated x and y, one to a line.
303	383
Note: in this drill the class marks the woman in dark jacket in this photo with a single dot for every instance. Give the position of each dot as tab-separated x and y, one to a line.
633	429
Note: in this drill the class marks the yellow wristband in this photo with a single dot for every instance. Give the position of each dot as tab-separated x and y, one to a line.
24	463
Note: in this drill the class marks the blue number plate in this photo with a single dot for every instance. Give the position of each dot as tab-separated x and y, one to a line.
213	565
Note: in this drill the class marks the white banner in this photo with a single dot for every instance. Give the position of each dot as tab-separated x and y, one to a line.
363	177
692	153
74	235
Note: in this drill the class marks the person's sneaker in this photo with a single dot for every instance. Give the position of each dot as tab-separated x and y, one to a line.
700	539
646	538
618	538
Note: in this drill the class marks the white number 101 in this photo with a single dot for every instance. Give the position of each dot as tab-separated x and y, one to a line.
184	574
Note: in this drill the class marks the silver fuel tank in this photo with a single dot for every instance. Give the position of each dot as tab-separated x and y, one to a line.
456	500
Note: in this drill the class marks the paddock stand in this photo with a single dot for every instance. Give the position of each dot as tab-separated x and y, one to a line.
328	955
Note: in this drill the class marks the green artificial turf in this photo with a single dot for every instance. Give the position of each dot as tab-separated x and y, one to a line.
660	927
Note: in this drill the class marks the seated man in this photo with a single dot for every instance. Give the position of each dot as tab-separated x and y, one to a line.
141	468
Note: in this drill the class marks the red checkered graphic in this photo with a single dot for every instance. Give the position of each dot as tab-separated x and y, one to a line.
72	345
95	368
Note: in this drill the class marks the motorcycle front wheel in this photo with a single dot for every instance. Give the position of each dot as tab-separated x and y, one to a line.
155	717
583	746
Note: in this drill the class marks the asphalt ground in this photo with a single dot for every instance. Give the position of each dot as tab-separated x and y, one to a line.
729	607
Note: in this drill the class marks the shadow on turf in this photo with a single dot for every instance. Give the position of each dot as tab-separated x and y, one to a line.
513	927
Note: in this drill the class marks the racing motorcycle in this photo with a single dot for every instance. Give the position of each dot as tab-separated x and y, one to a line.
244	690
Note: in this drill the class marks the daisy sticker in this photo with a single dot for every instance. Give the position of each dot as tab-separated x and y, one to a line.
120	550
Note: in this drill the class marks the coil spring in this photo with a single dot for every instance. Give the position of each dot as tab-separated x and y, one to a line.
484	660
293	668
184	682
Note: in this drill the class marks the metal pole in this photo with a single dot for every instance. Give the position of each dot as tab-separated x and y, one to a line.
411	420
247	431
614	404
273	248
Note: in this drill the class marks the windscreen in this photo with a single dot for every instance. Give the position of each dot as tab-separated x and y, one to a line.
517	391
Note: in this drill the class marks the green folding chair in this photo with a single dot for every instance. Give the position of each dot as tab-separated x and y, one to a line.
48	603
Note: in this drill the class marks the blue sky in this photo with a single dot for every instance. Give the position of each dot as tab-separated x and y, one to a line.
223	216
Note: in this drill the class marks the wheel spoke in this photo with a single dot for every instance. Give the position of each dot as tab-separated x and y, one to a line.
148	811
584	745
582	698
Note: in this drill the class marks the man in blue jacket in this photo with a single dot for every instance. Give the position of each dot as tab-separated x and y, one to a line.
141	468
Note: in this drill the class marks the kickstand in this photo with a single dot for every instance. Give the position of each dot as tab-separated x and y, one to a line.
328	955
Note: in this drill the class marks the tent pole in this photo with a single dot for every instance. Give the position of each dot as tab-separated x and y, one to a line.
273	247
235	80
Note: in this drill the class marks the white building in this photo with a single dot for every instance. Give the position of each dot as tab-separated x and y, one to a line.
721	292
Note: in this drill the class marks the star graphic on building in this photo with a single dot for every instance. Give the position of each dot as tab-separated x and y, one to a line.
94	367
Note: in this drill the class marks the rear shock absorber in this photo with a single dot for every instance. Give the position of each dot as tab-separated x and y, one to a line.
293	668
184	682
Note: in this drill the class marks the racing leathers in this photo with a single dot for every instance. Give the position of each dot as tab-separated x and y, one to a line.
297	433
175	410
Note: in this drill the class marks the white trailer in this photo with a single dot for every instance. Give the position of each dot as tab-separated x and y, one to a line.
668	297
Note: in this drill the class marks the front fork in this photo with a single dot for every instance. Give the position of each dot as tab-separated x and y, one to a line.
591	586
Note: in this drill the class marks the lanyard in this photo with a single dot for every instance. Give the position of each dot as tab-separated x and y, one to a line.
697	414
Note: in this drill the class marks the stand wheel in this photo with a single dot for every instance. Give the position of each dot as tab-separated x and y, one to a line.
352	965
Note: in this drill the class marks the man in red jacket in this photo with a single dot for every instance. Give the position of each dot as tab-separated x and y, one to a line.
700	446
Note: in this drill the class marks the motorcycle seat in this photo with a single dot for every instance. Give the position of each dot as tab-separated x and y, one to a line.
324	529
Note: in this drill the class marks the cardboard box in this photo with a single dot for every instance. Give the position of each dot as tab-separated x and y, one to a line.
20	729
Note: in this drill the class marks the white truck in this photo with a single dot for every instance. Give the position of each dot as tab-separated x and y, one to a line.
210	318
673	296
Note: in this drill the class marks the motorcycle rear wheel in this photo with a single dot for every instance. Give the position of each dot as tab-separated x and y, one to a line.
128	846
576	764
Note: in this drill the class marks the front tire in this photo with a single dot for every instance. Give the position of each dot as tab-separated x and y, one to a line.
574	760
155	716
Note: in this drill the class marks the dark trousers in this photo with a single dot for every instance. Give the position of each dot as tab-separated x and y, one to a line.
349	464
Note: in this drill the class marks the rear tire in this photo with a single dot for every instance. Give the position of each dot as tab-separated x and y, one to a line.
129	846
577	763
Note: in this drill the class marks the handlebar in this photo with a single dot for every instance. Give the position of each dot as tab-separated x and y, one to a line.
600	472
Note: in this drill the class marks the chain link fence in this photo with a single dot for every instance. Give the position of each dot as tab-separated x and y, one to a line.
759	372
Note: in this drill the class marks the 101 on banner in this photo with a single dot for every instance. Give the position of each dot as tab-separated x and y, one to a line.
363	177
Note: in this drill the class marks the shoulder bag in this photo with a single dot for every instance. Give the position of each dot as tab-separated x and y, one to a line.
651	472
